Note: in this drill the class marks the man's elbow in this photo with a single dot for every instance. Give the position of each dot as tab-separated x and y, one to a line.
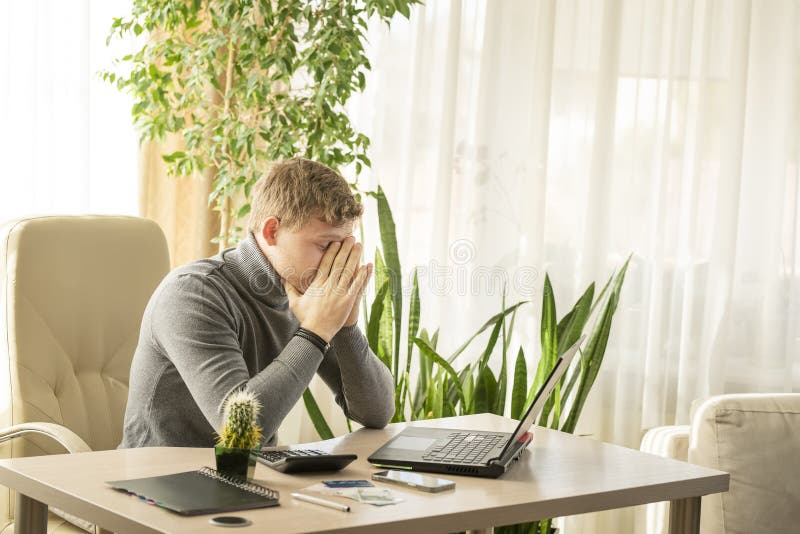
379	421
381	418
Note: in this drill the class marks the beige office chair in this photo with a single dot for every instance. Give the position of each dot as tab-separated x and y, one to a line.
71	301
754	438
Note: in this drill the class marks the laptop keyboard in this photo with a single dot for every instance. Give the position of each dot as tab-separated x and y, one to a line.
463	448
277	456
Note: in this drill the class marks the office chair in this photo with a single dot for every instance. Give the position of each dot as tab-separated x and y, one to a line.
72	294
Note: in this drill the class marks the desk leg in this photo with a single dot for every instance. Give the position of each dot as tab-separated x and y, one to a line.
30	516
684	516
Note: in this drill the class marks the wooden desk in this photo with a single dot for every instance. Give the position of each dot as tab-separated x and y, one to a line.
558	475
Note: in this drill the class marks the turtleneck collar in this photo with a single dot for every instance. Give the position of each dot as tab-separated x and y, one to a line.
257	272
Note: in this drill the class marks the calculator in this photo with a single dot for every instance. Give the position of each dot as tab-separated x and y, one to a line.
303	460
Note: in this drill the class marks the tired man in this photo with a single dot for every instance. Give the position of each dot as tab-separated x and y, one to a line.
266	315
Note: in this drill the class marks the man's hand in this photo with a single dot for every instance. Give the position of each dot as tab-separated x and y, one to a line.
331	301
352	319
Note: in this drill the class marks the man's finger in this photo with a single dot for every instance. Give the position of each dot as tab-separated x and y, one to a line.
340	261
359	283
291	292
324	269
362	280
367	276
350	268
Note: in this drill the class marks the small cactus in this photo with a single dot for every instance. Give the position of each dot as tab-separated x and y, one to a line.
240	430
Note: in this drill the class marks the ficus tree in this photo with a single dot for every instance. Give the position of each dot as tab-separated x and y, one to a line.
247	82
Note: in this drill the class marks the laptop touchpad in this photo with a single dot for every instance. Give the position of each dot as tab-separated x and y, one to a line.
411	443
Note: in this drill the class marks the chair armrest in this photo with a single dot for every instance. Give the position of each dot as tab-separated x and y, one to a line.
67	439
63	435
668	442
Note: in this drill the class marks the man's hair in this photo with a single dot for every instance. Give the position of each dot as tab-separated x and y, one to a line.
297	190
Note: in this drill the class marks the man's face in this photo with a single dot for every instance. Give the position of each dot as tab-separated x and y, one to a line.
297	254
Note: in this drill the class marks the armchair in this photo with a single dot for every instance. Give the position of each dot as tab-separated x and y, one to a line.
754	437
72	293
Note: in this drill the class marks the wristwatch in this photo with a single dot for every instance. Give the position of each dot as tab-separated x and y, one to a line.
320	343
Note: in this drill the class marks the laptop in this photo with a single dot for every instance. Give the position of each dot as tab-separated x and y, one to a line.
468	452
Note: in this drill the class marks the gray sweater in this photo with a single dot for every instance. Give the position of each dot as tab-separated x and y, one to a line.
223	323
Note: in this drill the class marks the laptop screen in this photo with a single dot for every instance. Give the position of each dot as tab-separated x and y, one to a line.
561	366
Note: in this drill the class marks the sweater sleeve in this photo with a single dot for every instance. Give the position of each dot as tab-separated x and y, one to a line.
197	333
361	383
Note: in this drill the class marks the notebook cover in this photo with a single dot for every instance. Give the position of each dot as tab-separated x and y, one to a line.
193	493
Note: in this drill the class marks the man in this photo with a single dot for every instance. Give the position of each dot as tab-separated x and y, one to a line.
265	315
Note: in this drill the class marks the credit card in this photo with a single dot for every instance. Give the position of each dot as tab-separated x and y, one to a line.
348	483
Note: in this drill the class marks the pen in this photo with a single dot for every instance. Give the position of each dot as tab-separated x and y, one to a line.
321	502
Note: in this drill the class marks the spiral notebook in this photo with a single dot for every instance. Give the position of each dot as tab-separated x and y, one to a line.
205	491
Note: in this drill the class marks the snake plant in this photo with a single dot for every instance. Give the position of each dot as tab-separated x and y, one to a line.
440	389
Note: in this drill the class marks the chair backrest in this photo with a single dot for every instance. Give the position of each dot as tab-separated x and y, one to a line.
73	292
754	438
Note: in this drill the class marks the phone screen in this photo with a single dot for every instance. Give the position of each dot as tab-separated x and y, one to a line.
415	479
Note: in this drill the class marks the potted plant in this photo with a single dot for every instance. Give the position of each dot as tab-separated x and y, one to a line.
443	390
243	84
239	435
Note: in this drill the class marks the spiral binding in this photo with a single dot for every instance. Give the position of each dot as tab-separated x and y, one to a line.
240	483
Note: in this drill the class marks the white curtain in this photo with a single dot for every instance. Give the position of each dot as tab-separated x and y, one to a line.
521	137
66	140
514	138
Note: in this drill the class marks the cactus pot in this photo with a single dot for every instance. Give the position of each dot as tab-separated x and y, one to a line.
234	461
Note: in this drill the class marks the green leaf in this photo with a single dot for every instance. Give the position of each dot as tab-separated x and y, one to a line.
485	391
389	247
398	400
426	350
407	398
243	211
594	351
382	313
520	387
413	319
452	393
571	326
425	372
316	416
374	324
403	8
491	322
568	331
548	340
468	384
487	352
438	401
502	379
385	334
413	328
174	156
435	339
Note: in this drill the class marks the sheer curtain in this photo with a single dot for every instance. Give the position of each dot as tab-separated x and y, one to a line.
516	138
66	140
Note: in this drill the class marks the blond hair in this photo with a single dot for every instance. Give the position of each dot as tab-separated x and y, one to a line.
296	190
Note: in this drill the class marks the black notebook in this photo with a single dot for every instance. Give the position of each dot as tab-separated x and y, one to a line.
206	491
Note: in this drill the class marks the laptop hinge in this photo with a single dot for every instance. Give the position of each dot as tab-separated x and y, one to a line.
513	451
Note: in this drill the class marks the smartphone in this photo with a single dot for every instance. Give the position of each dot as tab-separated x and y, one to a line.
415	480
